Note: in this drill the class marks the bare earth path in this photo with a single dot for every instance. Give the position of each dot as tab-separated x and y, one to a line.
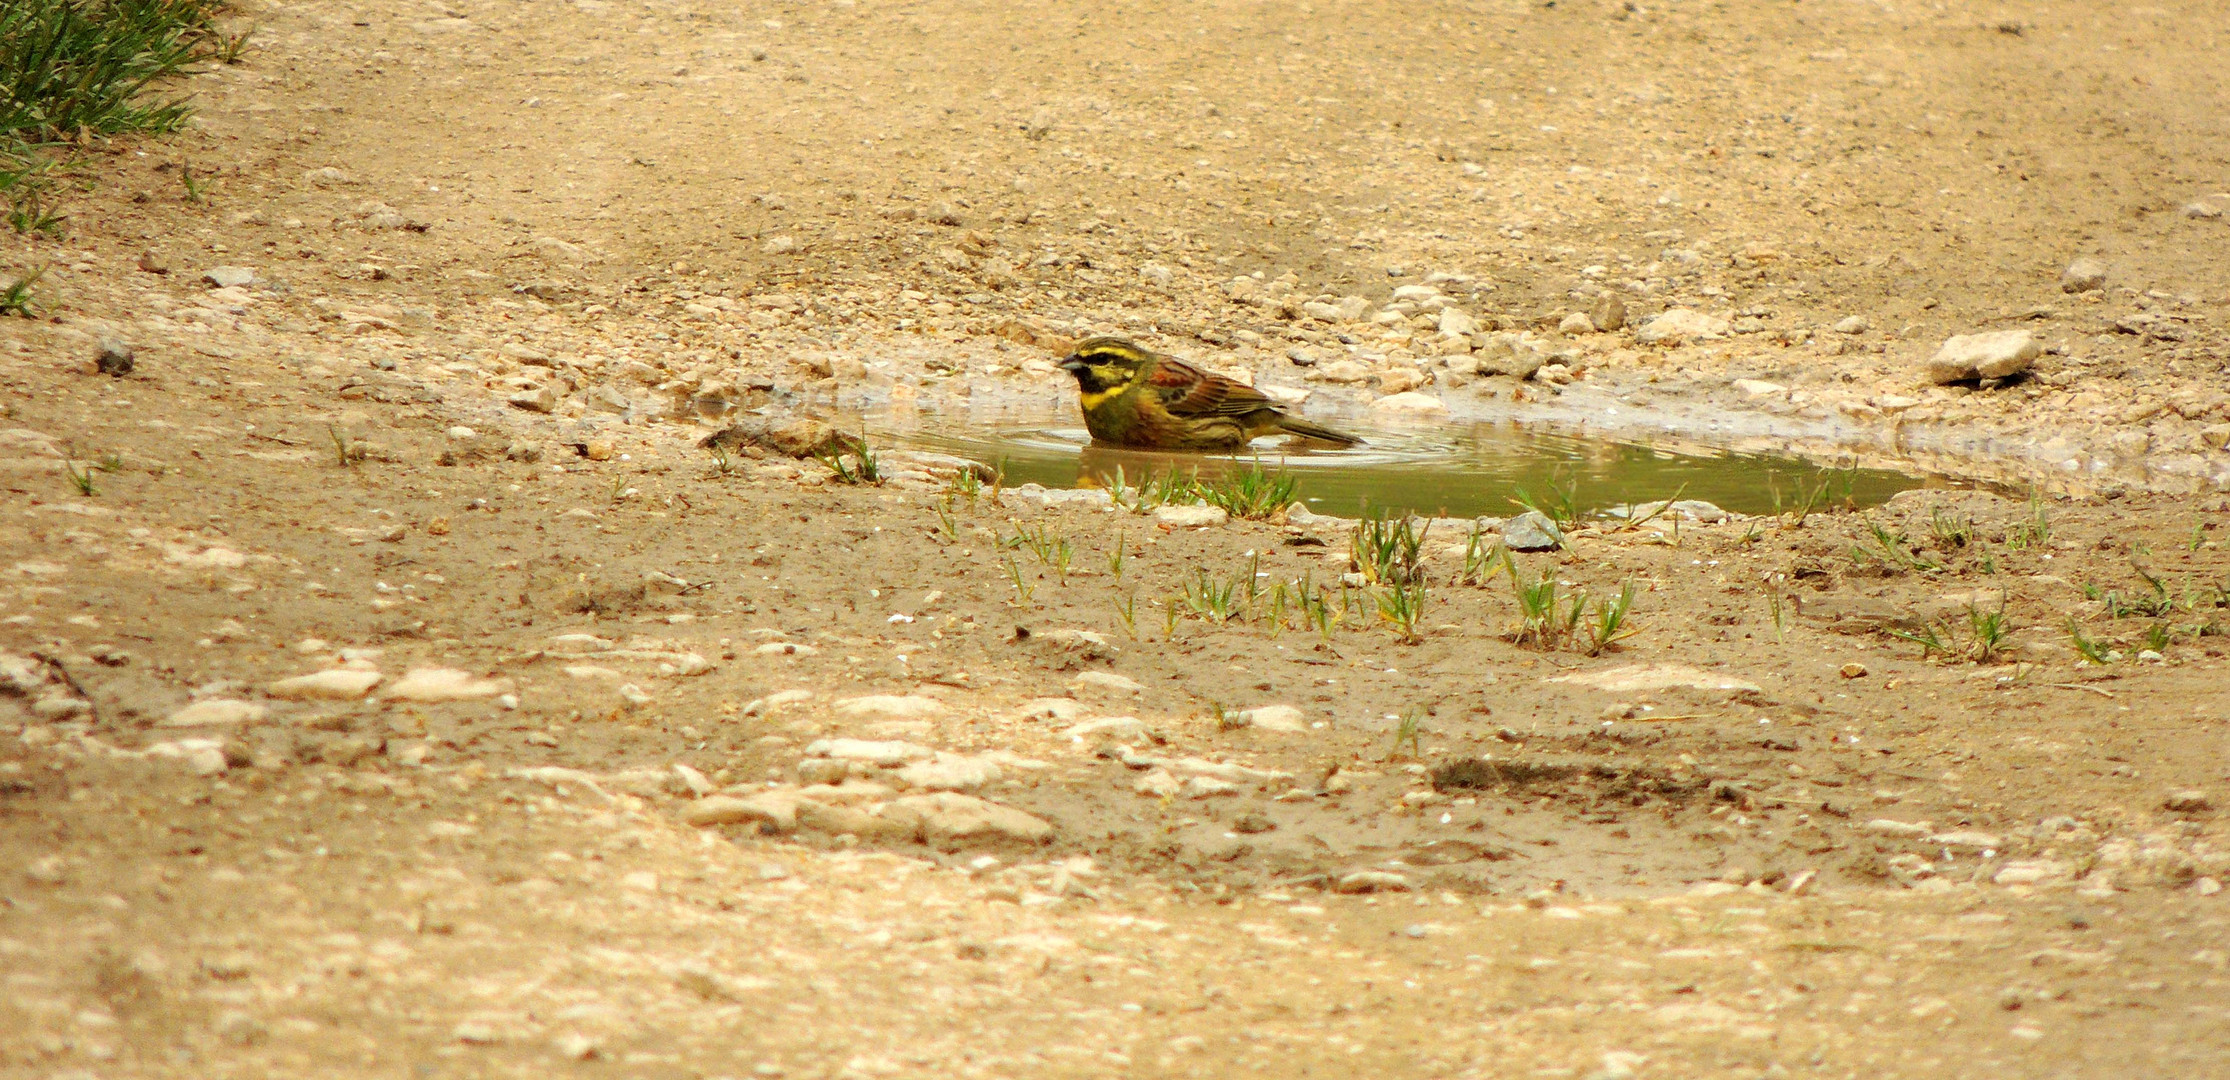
412	697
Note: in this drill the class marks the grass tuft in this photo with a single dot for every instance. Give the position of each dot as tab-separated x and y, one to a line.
1252	492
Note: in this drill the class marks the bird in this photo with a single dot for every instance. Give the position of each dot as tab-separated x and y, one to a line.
1133	396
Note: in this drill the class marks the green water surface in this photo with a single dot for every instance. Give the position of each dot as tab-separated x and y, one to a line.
1458	471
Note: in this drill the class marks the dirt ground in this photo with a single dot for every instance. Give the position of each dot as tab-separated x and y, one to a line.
410	694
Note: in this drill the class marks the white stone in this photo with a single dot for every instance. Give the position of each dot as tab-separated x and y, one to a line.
1208	787
1107	680
908	707
1576	324
951	816
1969	838
217	711
869	751
1370	881
1455	321
1759	387
1678	326
205	757
1992	355
2085	274
1409	401
1190	517
1853	324
338	684
1113	727
1279	718
775	809
950	772
1892	827
1632	678
227	277
2029	872
1159	784
445	684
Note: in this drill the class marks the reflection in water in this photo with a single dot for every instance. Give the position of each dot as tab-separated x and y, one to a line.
1457	472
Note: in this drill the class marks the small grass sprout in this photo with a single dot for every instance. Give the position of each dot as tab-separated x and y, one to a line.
862	469
1403	604
1389	550
2091	649
1558	502
1252	492
18	298
80	478
1610	623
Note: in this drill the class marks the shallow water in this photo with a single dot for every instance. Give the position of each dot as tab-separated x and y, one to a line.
1459	470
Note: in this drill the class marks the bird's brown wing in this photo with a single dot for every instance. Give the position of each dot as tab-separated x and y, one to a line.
1188	391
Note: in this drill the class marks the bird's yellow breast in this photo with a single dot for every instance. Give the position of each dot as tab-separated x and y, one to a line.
1092	400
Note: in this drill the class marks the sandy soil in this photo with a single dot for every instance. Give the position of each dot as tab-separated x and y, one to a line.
412	693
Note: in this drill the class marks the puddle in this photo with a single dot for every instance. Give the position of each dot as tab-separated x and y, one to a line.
1458	470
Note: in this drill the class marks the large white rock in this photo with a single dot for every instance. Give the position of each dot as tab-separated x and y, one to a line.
1408	401
950	772
217	711
1679	326
869	751
1992	355
1281	718
1190	517
445	684
338	684
909	707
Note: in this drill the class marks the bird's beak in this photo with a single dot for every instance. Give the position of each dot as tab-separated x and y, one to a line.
1073	364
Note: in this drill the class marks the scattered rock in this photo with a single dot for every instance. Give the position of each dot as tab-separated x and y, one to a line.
338	684
1680	326
541	399
445	684
795	438
1576	324
228	277
1608	314
1853	324
869	752
1112	727
2083	275
1531	531
1208	787
1968	838
776	809
2188	802
1408	401
1371	881
1279	718
950	772
1507	354
1992	355
1892	827
2029	872
1108	681
1634	678
216	712
1852	670
114	359
1190	517
907	707
948	816
1158	783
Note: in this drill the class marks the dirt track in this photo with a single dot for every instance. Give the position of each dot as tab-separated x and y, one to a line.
506	264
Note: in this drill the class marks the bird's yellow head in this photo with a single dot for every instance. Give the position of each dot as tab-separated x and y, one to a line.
1105	364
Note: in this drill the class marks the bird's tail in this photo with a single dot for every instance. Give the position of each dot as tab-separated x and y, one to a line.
1294	425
